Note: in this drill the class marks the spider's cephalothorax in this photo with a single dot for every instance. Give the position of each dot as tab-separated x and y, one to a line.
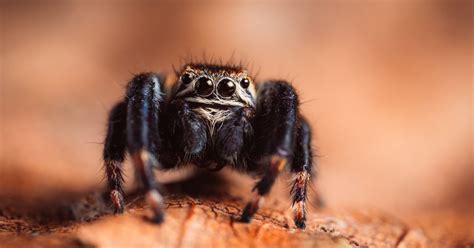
212	117
215	92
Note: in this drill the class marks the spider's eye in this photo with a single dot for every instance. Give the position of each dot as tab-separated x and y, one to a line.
204	86
226	88
245	82
187	78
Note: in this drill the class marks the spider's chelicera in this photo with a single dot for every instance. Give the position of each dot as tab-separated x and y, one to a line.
213	116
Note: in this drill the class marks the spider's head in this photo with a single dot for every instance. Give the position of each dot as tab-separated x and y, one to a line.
215	85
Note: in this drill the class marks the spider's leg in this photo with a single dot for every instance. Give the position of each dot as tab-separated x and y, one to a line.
302	166
274	133
145	95
114	154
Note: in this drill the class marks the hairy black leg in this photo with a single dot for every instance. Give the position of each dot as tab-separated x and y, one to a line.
144	94
114	154
275	130
302	168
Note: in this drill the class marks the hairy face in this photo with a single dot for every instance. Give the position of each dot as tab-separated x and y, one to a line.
215	86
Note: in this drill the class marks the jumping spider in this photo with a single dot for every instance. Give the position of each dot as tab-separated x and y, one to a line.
212	117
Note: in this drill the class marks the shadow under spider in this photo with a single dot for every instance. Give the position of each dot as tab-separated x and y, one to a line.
202	184
62	208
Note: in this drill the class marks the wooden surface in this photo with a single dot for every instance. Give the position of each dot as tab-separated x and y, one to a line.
203	216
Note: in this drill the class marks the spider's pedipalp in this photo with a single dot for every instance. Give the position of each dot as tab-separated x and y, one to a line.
187	130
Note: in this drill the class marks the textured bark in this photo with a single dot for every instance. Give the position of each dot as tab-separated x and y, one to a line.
204	222
200	213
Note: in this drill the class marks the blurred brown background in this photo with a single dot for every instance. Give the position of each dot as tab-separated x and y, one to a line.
386	85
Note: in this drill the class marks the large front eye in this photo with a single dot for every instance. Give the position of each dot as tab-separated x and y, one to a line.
245	82
187	78
226	88
204	86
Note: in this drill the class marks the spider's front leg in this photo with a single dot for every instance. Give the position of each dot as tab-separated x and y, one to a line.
282	137
135	126
275	128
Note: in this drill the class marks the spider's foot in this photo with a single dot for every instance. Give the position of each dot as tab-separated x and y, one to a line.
246	216
300	224
158	219
251	208
300	214
155	200
117	200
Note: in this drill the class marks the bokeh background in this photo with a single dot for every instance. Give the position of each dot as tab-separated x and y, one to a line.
386	85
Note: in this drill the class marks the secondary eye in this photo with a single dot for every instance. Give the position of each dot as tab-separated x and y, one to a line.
245	82
226	88
187	78
204	86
